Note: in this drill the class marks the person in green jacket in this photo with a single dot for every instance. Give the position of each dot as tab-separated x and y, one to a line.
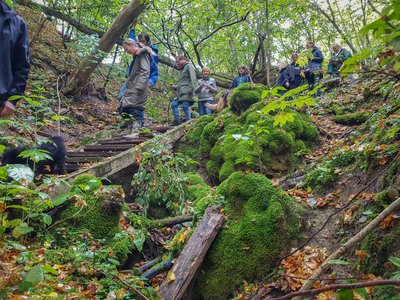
339	56
187	83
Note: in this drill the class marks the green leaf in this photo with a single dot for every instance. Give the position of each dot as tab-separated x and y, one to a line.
363	293
61	199
21	229
395	261
9	3
339	262
47	219
282	118
344	294
49	269
18	207
36	155
18	172
2	148
34	276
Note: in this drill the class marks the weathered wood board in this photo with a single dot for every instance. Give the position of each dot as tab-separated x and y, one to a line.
192	255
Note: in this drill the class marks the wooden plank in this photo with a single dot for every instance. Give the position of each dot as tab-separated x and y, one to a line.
114	148
90	154
84	159
120	141
192	255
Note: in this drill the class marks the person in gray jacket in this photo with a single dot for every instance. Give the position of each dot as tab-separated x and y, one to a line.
187	83
206	90
134	99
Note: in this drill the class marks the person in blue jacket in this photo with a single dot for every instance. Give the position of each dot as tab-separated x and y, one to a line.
314	66
14	58
144	39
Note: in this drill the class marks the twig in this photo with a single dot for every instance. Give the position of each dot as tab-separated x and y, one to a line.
334	287
59	106
115	278
350	243
324	279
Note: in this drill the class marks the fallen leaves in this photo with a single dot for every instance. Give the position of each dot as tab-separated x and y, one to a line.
300	266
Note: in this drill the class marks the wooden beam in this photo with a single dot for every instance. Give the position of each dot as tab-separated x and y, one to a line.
192	255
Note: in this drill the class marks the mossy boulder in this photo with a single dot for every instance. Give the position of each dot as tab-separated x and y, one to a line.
96	208
260	146
244	96
262	220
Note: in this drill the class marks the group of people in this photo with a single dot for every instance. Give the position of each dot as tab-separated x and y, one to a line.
292	76
142	73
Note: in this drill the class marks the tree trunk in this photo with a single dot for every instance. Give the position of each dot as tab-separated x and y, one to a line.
81	75
268	42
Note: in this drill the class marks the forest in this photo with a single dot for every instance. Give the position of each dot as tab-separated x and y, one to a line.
200	149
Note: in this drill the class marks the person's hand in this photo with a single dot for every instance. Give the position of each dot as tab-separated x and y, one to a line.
134	23
287	84
7	109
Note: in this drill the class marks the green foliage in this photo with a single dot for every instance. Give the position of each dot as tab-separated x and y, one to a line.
262	220
160	181
326	173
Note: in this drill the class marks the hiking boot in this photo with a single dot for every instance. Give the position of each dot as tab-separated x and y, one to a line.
126	124
176	123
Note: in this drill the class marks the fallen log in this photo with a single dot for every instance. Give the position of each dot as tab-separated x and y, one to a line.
158	269
192	255
169	221
149	264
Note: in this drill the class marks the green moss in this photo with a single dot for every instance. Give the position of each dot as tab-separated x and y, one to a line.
196	188
244	96
262	220
352	118
98	210
280	142
379	249
201	204
211	133
213	169
227	169
325	175
122	246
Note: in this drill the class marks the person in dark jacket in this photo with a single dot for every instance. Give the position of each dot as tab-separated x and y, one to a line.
144	39
314	66
281	79
14	58
134	99
292	76
187	84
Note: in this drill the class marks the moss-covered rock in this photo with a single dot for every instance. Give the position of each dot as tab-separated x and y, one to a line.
352	118
244	96
196	188
96	208
262	220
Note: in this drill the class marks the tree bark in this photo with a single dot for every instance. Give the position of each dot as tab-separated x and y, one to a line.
350	243
268	42
81	75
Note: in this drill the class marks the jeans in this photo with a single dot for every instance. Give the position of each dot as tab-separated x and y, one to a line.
312	80
121	92
175	109
203	110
